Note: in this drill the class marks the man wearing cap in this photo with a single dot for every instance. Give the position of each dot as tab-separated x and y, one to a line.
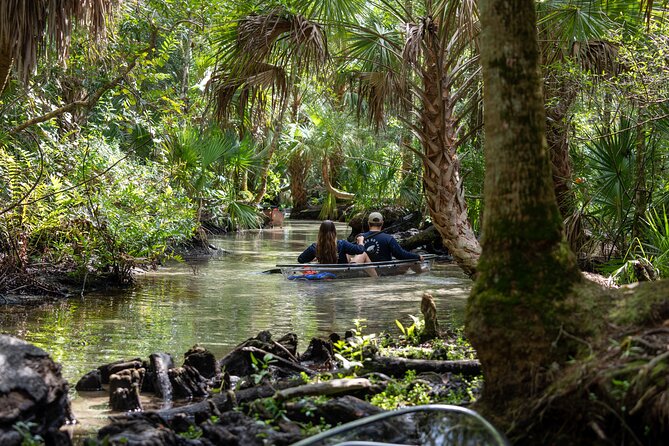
382	247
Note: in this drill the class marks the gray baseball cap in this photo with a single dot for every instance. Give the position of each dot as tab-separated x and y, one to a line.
375	217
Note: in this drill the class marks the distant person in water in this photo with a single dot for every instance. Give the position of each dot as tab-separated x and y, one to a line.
276	218
329	250
382	247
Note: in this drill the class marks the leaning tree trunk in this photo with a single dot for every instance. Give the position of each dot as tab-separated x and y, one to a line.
326	173
443	186
526	269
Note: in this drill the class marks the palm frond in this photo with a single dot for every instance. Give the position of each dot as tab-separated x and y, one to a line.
611	158
28	27
243	216
268	52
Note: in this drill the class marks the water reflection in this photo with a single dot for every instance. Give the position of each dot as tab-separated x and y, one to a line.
220	302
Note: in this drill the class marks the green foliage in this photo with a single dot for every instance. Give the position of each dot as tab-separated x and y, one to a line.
107	215
411	333
401	393
193	433
27	437
261	367
657	240
351	352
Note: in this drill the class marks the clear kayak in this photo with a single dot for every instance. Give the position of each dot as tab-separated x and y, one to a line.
316	271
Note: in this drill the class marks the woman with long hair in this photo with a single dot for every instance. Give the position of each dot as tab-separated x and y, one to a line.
329	250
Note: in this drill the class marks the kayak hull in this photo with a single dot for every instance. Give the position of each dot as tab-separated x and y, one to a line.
315	271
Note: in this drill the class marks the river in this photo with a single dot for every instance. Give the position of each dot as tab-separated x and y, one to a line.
220	302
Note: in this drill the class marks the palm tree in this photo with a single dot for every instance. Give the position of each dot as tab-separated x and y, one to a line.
429	73
266	53
578	34
28	25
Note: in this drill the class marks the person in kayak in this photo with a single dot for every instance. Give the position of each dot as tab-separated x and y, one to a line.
382	247
329	250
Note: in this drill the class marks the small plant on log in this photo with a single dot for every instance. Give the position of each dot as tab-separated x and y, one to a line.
261	367
351	351
412	332
193	433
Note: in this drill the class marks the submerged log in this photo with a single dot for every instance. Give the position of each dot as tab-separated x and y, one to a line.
397	367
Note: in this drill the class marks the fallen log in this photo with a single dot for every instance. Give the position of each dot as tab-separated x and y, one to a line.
333	387
426	237
334	411
397	367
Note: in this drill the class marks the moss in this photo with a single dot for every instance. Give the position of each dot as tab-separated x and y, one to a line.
544	280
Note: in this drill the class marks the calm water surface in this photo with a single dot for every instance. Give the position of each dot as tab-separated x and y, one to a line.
219	303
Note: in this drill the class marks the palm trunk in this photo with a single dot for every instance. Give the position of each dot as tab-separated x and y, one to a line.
326	174
298	167
557	136
641	193
276	136
526	269
443	186
5	67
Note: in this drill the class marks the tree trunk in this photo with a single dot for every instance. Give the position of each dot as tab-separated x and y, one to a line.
5	67
298	167
326	173
443	185
640	193
561	94
276	136
526	268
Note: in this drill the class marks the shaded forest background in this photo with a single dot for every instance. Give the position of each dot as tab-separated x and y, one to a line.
141	125
148	124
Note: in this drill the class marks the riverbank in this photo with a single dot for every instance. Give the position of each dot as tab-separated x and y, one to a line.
265	379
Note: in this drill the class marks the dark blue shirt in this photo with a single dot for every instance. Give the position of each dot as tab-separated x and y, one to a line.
343	247
383	247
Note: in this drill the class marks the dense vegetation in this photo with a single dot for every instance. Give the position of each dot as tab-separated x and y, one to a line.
120	142
180	117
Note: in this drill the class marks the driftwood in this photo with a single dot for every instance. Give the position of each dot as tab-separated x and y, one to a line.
333	387
239	362
397	367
